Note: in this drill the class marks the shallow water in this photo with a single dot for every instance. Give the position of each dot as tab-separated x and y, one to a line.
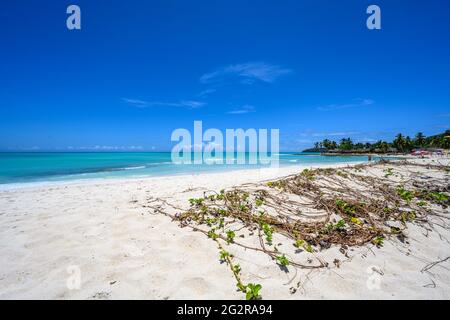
46	166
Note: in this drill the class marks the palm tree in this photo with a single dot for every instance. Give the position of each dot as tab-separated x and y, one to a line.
346	144
408	144
384	146
326	144
381	145
399	142
420	139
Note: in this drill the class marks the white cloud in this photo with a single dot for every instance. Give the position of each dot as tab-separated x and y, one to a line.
243	110
190	104
245	73
206	92
136	102
356	103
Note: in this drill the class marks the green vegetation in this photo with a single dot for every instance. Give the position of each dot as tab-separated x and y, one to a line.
196	202
405	194
283	261
224	255
437	197
401	143
268	231
309	174
389	172
253	291
357	217
378	241
345	207
355	220
299	243
421	203
303	244
339	226
407	217
212	234
308	248
259	202
230	236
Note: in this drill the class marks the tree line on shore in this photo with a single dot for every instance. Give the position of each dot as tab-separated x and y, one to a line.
401	143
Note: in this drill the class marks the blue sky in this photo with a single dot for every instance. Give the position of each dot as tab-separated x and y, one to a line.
137	70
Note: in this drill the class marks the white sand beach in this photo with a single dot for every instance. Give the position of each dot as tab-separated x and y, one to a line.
122	250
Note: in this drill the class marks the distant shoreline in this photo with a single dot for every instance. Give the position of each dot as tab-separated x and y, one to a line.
350	154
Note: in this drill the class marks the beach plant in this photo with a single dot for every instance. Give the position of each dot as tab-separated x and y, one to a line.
268	231
387	210
221	195
378	241
275	184
364	212
345	207
224	255
221	222
299	243
389	172
244	208
328	228
253	291
395	230
308	248
355	220
196	201
308	174
210	221
283	260
222	212
342	174
407	217
437	197
421	203
212	234
271	184
230	236
405	194
340	225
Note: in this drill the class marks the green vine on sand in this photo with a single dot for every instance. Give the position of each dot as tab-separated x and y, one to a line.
354	216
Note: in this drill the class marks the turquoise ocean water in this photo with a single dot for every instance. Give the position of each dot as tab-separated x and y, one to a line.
39	167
